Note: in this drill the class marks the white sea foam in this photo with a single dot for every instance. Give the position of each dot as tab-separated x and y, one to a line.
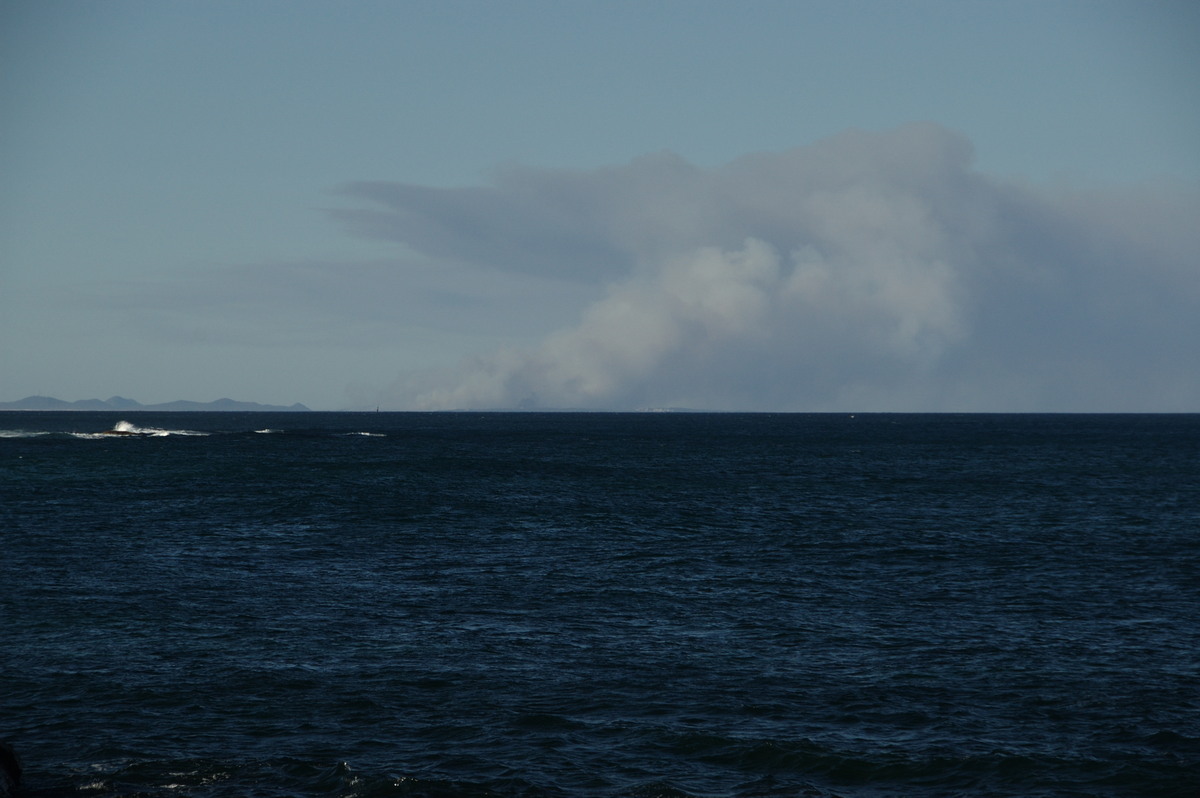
20	433
120	429
25	433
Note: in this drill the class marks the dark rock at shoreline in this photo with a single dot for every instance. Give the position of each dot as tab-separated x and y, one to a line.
10	770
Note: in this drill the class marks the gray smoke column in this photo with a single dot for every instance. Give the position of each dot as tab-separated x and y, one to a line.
869	271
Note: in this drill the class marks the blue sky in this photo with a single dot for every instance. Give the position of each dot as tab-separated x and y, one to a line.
735	205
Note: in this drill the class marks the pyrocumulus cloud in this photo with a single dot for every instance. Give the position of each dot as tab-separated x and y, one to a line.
869	271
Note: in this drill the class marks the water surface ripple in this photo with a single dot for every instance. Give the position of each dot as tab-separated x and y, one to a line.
601	604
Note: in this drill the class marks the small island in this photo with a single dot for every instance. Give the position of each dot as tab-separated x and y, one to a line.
44	403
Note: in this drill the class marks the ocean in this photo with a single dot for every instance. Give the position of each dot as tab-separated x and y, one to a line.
563	604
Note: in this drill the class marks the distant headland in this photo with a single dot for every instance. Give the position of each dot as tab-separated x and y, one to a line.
121	403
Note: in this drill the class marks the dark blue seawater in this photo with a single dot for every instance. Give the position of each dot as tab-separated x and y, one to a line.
601	604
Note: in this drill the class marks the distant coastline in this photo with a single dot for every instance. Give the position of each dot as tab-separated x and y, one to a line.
121	403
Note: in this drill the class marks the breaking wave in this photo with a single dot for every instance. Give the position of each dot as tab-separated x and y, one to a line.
127	428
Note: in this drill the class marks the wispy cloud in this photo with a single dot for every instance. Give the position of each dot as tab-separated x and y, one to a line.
867	271
332	303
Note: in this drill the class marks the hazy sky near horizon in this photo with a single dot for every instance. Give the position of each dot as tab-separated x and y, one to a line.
927	205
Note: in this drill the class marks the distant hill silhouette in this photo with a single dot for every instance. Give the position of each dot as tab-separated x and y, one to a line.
121	403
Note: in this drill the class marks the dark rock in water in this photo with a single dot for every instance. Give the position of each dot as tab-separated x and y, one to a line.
10	770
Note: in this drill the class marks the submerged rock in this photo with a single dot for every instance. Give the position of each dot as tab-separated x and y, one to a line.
10	770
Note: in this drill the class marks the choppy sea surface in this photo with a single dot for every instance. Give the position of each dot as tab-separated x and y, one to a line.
376	604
